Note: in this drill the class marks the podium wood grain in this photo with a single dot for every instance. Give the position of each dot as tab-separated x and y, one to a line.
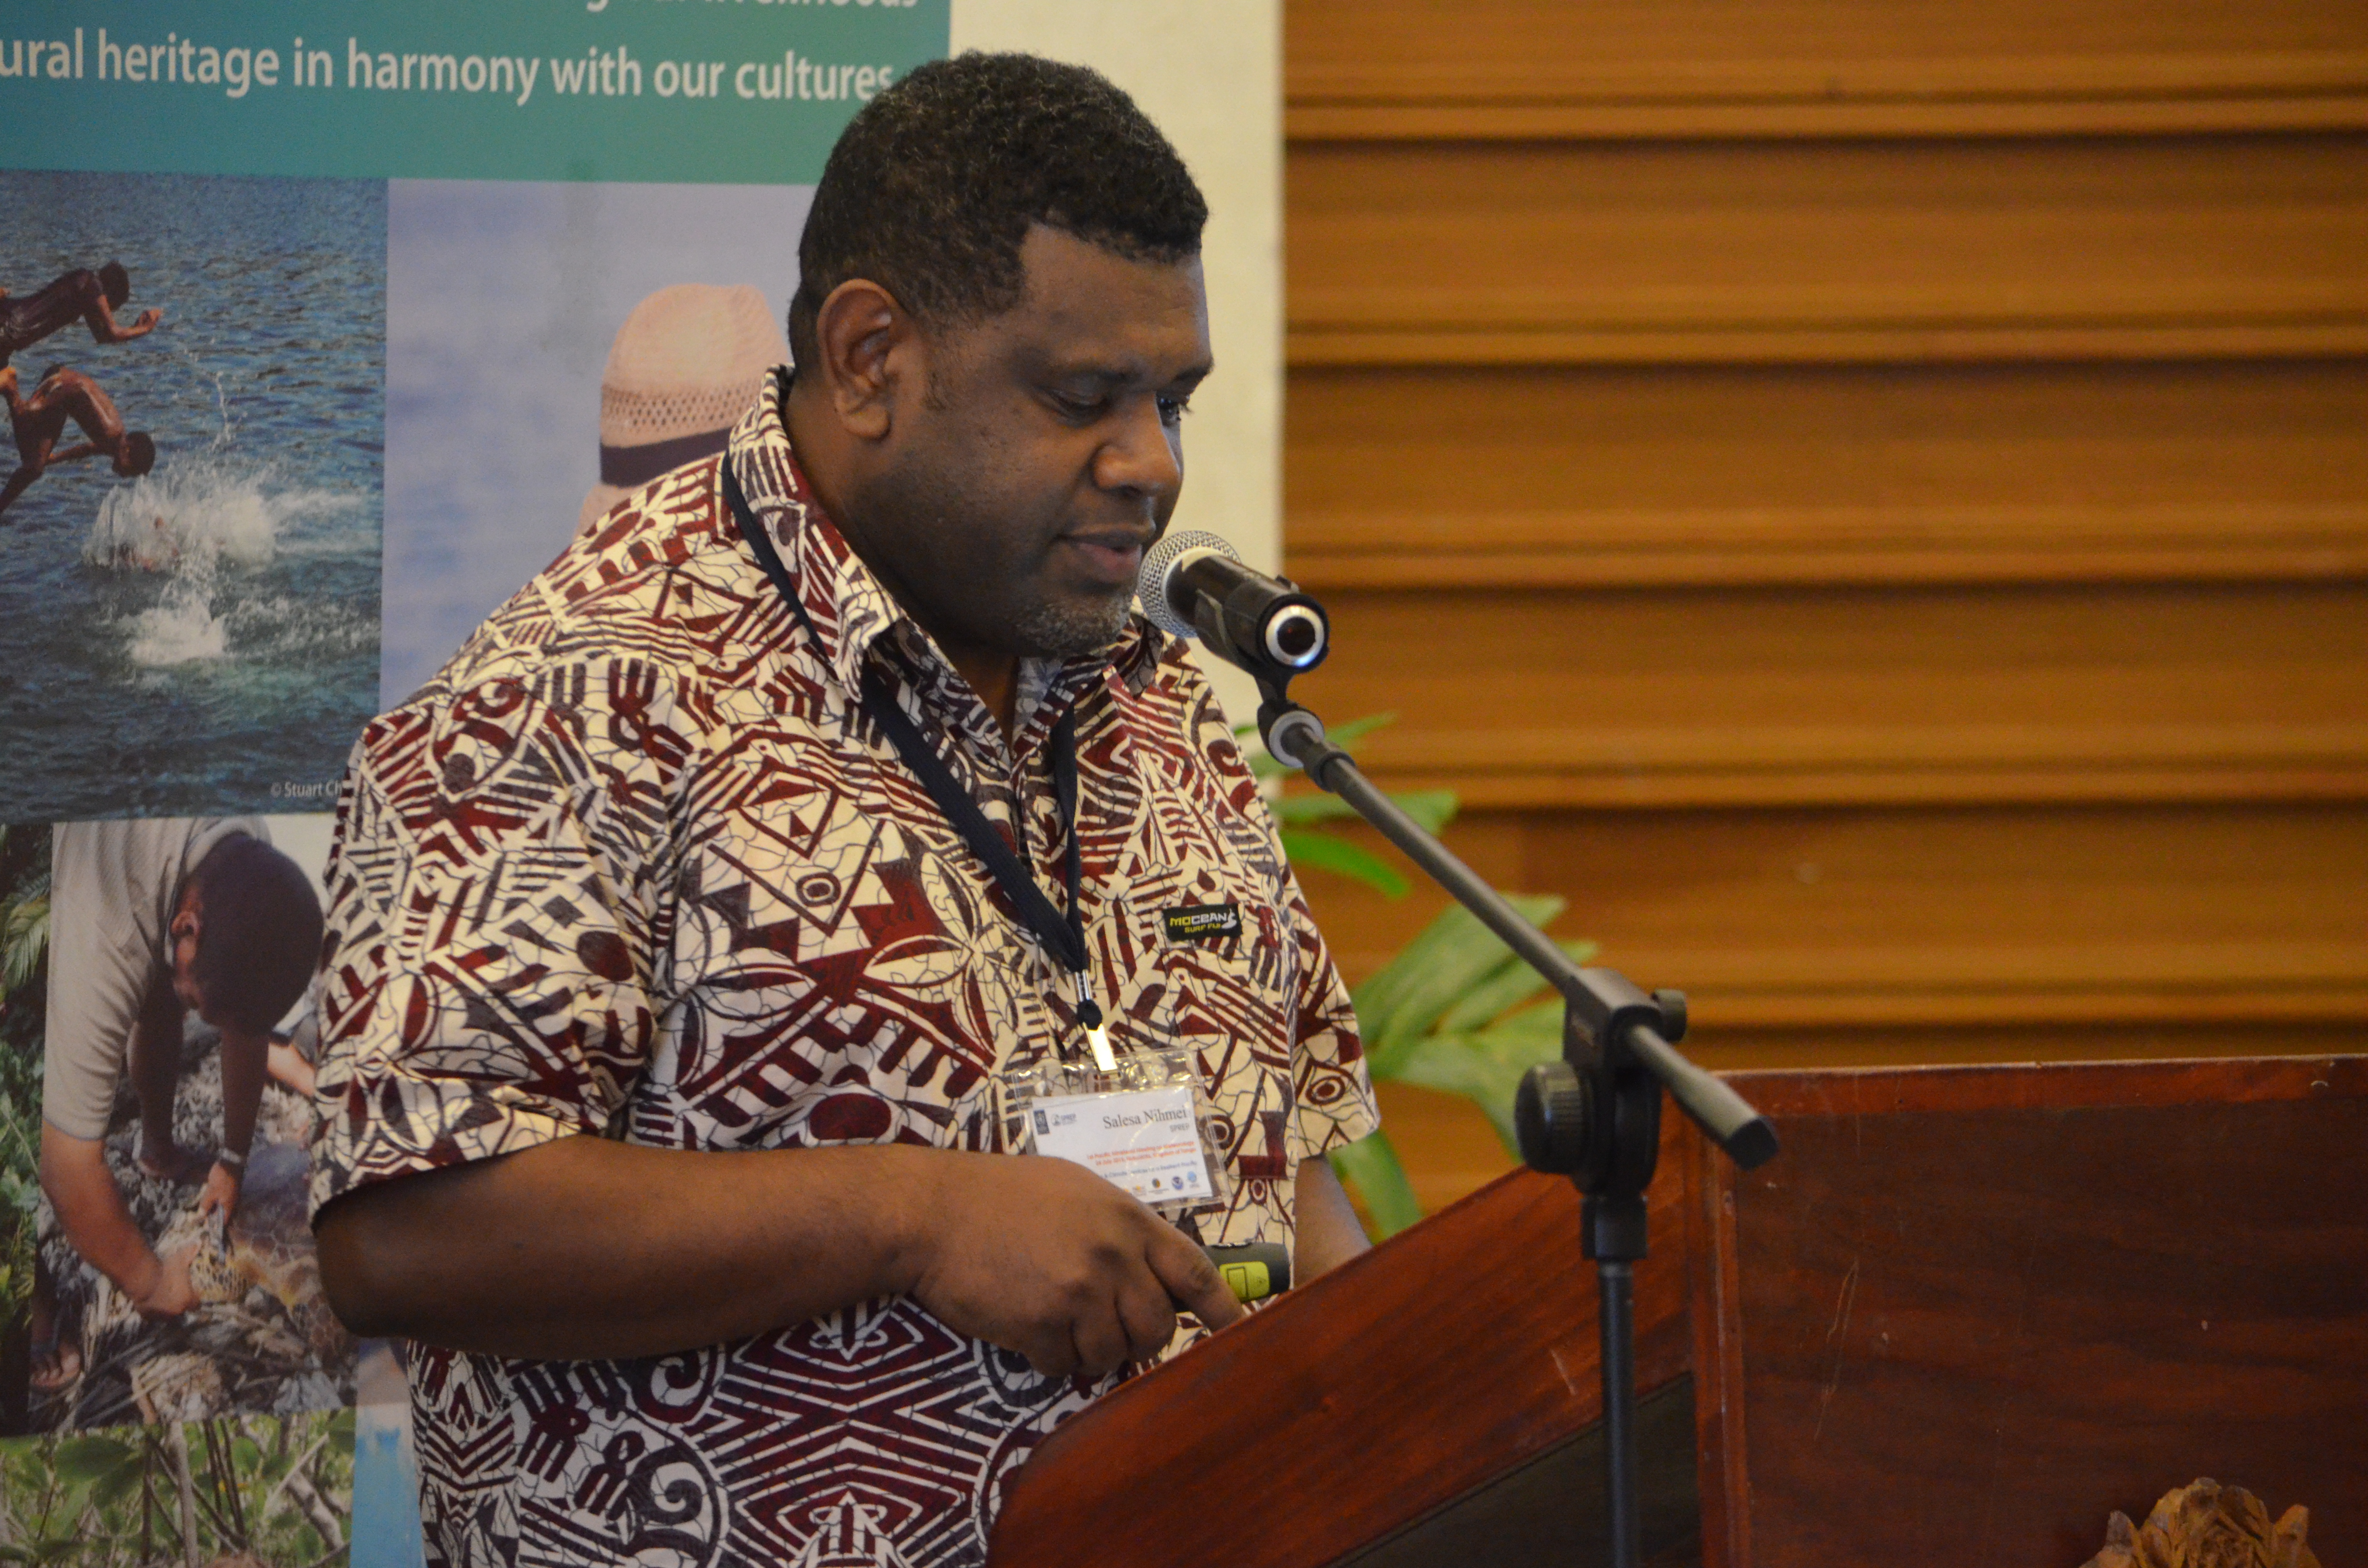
1970	1310
1351	1408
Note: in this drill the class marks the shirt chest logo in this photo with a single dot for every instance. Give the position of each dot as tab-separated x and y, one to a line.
1203	921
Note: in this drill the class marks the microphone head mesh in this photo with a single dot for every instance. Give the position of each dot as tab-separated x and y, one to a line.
1159	563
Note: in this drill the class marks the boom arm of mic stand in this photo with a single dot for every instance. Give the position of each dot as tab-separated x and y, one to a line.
1296	737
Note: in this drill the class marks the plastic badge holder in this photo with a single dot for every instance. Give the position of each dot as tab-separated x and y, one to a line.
1126	1123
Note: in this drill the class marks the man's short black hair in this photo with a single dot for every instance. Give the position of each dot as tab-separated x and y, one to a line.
934	185
115	283
258	933
139	453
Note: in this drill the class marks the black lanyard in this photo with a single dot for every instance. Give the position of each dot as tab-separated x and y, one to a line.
1064	937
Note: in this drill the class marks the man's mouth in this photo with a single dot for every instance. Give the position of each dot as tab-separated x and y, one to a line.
1112	556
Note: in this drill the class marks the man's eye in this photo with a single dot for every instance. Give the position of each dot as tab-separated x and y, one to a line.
1172	410
1077	407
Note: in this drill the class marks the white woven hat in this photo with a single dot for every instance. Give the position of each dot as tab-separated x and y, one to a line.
682	371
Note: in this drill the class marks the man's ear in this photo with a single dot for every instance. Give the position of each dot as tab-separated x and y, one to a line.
188	914
867	345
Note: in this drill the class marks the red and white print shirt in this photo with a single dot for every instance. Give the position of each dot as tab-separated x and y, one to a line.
636	865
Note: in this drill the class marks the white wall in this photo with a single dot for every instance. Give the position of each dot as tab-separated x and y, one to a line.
1209	73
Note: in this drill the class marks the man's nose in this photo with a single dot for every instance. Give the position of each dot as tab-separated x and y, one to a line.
1142	455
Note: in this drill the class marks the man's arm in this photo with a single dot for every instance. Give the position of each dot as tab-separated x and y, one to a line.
83	1191
1329	1233
105	328
584	1248
18	482
244	1055
285	1062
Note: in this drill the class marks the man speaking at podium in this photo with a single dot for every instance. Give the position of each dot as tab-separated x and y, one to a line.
672	978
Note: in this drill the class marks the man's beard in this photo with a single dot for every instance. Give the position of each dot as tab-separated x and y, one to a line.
1067	629
1044	626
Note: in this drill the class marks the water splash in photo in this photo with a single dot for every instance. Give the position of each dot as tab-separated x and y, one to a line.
205	526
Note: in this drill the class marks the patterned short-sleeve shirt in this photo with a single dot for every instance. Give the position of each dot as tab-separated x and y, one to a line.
636	864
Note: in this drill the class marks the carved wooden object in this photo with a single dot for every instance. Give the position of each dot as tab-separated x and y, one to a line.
2208	1526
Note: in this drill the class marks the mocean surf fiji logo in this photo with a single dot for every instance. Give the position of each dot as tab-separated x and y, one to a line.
1203	921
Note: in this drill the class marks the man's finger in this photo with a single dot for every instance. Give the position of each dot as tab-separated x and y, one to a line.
1193	1280
1149	1319
1101	1339
1052	1353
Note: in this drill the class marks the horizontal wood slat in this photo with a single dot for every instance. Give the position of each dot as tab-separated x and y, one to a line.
1536	68
1841	925
1418	479
1673	698
1866	114
1816	252
1523	550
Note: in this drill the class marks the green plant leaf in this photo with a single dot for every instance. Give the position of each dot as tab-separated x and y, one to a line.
1325	853
1405	999
114	1487
1434	809
1304	807
1346	736
1512	983
24	942
1370	1165
1487	1068
88	1458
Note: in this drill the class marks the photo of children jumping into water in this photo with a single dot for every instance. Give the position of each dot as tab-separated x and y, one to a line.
193	370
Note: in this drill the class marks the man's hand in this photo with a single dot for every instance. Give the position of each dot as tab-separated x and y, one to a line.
287	1064
220	1194
169	1293
1049	1259
584	1248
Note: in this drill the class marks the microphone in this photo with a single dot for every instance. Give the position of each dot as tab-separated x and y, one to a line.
1192	585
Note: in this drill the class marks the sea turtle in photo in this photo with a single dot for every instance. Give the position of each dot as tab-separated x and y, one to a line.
268	1242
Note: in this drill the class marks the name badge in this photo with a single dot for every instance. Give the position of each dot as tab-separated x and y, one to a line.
1203	921
1145	1141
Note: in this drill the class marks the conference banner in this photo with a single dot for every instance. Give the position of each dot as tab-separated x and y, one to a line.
324	325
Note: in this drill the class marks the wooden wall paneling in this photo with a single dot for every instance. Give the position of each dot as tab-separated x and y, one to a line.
1868	499
1914	922
1411	477
2143	691
1505	68
1582	252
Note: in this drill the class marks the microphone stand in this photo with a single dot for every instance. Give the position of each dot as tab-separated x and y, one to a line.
1594	1116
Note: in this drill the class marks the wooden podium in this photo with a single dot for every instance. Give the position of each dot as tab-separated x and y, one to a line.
1965	1314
